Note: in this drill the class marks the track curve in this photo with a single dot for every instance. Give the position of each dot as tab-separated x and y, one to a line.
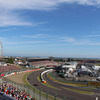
61	92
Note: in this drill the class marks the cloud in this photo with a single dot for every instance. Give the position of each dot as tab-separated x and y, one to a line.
69	39
95	43
35	36
82	2
50	40
62	40
87	42
8	29
41	4
24	42
27	4
10	11
10	14
11	19
10	41
14	19
48	37
94	35
44	29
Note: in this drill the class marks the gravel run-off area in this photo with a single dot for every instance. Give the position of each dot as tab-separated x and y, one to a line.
18	78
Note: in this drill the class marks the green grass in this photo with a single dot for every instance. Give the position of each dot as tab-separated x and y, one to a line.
65	83
46	84
83	91
97	64
36	90
92	87
79	91
30	87
38	78
24	79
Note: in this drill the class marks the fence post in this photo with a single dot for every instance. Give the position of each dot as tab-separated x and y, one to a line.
40	94
47	95
55	97
25	88
16	87
64	98
33	92
12	83
87	83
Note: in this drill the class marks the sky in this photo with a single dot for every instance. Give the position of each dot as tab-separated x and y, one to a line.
58	28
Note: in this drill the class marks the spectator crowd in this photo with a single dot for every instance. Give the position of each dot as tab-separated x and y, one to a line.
8	68
14	92
45	63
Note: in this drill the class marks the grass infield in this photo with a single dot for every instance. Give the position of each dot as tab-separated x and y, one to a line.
67	83
37	90
80	91
46	84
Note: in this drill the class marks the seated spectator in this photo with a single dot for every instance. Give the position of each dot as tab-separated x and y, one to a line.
15	92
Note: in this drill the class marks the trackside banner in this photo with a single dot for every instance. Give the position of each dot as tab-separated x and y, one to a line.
94	83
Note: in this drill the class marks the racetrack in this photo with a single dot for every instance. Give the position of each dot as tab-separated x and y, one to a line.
60	91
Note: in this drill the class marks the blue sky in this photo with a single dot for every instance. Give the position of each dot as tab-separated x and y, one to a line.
60	28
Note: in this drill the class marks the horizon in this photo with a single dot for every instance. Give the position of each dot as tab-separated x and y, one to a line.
51	56
60	28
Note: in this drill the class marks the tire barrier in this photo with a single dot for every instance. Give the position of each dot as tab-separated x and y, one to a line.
14	73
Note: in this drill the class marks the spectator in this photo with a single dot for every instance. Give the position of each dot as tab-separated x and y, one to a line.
15	92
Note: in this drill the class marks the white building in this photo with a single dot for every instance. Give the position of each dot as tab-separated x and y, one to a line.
68	69
84	68
96	67
20	62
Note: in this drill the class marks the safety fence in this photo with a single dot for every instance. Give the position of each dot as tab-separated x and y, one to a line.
10	71
38	94
69	81
33	91
80	84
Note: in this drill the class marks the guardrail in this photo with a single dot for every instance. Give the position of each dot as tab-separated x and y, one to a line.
41	75
89	85
33	91
3	96
16	85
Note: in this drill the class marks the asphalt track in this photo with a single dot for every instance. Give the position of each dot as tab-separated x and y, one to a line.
60	91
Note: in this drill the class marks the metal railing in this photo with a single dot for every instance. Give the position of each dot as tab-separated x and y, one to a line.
78	83
33	91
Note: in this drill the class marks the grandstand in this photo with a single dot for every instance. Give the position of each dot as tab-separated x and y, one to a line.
45	63
8	91
8	68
